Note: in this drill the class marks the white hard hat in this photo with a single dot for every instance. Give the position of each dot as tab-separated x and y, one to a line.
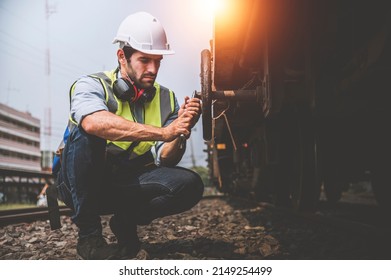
143	32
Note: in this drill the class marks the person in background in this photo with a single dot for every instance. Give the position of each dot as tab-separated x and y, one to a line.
41	198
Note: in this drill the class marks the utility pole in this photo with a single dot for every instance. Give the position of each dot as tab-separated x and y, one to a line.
9	89
49	10
47	158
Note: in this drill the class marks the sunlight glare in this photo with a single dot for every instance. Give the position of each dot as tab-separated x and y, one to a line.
216	5
211	7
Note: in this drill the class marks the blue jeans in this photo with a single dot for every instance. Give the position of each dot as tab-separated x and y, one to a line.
92	186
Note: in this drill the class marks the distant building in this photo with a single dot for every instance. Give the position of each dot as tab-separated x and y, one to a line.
19	140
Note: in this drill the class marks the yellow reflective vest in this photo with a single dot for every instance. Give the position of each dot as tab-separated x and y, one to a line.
156	113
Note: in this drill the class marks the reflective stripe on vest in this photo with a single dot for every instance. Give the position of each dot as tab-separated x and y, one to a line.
156	113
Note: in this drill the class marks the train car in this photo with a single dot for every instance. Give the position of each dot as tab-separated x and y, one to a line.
296	97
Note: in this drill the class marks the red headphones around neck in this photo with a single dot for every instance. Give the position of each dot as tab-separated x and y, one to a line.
126	90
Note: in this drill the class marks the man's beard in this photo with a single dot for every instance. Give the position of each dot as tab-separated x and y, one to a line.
142	85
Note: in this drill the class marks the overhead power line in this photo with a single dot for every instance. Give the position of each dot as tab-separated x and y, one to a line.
37	53
42	31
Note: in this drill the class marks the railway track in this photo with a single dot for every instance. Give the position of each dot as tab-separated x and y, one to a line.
26	215
219	227
342	218
350	214
31	214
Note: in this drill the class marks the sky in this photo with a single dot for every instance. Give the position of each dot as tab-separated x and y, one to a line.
79	34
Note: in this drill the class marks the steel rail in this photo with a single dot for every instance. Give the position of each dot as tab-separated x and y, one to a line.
25	215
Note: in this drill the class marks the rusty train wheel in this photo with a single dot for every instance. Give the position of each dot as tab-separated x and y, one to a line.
206	94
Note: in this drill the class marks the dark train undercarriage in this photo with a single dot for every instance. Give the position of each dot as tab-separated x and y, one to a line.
296	97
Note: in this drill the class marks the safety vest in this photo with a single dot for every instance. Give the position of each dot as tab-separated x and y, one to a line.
156	113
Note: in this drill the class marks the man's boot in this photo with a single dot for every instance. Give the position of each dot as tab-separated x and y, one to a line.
126	235
95	247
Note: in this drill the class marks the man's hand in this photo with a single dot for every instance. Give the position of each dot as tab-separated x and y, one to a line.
188	116
181	126
193	107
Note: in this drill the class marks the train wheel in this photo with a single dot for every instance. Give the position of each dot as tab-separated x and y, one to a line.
297	180
306	193
260	156
206	94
